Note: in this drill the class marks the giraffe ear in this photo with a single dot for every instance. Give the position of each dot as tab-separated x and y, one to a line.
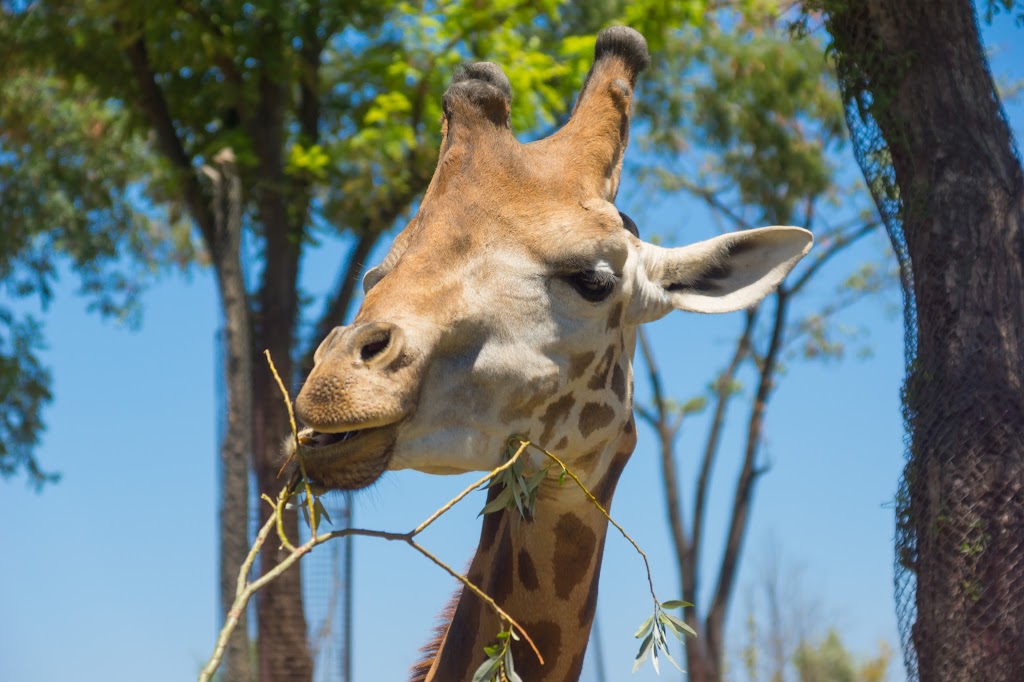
730	272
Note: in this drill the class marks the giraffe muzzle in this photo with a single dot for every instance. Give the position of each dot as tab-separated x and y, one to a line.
353	403
347	460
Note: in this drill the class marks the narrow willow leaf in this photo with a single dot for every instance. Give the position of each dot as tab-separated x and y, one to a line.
487	670
510	671
517	498
320	512
654	659
498	503
644	627
536	479
645	649
675	604
672	660
678	626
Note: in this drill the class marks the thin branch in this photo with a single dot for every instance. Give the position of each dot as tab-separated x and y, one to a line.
153	102
723	396
739	517
710	197
245	590
841	242
666	436
481	594
470	488
600	507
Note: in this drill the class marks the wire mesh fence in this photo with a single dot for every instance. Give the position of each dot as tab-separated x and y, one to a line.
959	576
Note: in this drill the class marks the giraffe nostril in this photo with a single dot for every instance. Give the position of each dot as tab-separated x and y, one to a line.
375	347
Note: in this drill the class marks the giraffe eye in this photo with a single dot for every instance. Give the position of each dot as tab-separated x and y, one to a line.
593	285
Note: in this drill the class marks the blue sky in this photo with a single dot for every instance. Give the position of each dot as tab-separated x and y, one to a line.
110	575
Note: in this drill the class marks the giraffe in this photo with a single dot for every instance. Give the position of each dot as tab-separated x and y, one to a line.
509	305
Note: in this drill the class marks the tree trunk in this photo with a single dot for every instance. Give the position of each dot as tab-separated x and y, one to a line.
283	643
962	196
236	447
284	648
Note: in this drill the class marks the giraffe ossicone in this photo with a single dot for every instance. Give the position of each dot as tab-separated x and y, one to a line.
509	305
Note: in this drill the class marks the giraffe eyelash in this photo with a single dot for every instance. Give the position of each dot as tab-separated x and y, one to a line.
593	285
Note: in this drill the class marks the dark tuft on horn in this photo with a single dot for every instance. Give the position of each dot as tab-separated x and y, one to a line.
487	72
486	87
625	43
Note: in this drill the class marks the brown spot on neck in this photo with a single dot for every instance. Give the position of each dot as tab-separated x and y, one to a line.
548	638
600	377
595	416
527	571
499	577
489	528
619	383
574	550
555	414
578	364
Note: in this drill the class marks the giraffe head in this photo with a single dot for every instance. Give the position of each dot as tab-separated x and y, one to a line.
510	302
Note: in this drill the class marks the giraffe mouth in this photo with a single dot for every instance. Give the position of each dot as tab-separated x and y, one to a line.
347	460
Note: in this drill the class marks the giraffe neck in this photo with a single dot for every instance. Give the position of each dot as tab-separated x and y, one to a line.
544	572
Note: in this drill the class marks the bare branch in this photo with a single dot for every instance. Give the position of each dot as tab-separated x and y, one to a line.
723	396
153	102
711	198
740	515
823	256
666	438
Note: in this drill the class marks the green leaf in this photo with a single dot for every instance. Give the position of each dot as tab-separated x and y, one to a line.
536	479
678	626
510	670
645	627
487	671
645	650
319	511
498	503
675	604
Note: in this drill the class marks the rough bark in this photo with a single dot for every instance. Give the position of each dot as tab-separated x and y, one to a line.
236	447
284	653
962	196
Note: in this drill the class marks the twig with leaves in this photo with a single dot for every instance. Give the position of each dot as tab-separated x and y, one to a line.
519	493
298	485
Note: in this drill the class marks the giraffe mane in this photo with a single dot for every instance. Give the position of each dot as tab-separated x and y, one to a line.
429	650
